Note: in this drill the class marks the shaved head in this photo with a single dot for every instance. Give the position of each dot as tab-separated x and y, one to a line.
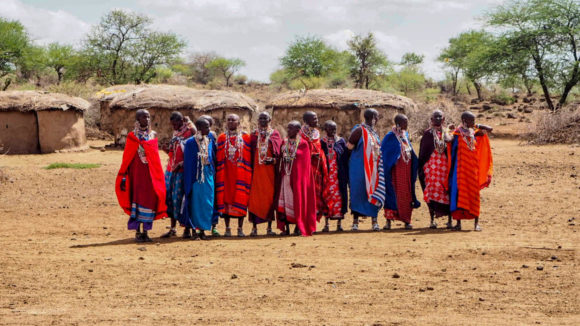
400	118
467	115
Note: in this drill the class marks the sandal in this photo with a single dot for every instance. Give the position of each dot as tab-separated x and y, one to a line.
270	232
339	228
202	235
241	233
408	226
145	237
477	228
325	229
254	233
186	234
169	234
228	232
387	226
376	227
138	237
433	225
215	233
354	227
449	225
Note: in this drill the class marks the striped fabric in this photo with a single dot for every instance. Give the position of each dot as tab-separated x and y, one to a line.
374	175
142	214
233	179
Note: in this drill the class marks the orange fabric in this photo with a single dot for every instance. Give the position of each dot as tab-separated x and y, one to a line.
262	190
474	172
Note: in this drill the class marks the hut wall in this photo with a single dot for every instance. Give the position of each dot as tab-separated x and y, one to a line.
125	120
105	119
19	132
345	118
58	130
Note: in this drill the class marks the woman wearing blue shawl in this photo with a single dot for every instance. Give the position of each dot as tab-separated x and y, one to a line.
400	167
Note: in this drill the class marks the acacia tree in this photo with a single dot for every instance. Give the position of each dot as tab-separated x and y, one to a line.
13	43
226	67
127	49
198	66
58	57
548	32
367	61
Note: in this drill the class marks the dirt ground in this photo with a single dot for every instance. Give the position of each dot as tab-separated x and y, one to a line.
67	258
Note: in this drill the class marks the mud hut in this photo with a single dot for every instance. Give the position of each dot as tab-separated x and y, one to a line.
119	103
344	106
33	122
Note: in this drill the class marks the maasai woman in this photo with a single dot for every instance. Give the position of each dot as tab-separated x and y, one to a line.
216	214
433	168
183	129
296	203
199	173
400	166
334	147
140	185
470	169
234	174
265	143
310	133
365	171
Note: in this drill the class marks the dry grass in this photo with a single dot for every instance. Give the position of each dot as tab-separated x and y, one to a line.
419	120
561	127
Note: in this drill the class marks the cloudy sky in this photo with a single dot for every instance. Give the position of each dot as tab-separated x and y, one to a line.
258	31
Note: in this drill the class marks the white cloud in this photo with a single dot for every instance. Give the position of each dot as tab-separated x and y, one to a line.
45	26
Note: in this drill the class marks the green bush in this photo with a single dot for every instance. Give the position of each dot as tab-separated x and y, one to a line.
78	166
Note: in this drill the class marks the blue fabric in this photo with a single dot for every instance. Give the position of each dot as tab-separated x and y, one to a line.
198	209
359	200
453	175
174	194
390	153
142	214
343	156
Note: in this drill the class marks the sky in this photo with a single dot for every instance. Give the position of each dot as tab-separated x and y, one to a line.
259	32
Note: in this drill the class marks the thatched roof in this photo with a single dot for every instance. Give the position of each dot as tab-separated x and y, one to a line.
25	101
341	99
132	97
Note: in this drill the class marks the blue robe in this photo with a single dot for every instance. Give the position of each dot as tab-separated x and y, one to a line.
359	199
390	152
198	208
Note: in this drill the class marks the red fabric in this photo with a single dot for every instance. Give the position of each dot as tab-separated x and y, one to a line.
155	172
233	178
435	176
264	180
176	151
319	174
401	174
142	191
334	198
301	181
474	172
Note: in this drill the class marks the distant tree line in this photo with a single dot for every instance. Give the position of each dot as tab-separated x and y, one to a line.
526	45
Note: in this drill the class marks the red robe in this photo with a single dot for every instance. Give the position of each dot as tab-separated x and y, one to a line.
155	170
233	179
319	174
301	183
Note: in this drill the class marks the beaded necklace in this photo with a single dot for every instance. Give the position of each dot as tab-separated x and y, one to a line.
330	144
202	155
263	141
310	133
468	135
437	141
289	153
232	150
142	134
404	142
374	141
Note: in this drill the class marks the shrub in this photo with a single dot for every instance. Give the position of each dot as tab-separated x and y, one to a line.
560	127
78	166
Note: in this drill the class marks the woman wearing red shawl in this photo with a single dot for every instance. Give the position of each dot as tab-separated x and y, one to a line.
433	169
265	143
310	133
400	166
334	148
183	129
470	169
140	185
234	174
296	200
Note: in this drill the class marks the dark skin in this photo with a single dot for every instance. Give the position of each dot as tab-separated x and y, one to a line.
210	120
232	124
371	117
176	123
311	119
437	121
330	129
202	126
468	121
264	120
292	131
402	122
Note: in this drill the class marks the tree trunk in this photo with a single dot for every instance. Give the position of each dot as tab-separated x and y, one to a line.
59	74
540	69
7	83
478	89
468	88
569	85
454	80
